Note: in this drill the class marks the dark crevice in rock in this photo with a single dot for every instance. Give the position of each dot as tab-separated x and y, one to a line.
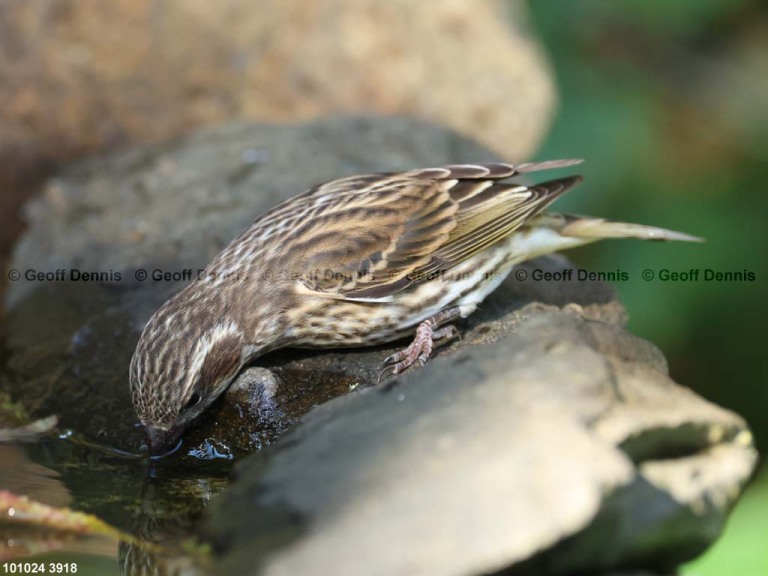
673	443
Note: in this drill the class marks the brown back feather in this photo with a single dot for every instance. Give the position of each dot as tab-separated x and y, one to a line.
391	232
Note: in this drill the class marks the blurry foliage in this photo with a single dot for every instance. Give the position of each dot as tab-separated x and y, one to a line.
667	143
668	102
741	550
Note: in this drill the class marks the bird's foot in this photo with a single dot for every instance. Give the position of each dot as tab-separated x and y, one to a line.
427	335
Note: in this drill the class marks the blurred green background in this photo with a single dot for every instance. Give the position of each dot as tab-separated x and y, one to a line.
668	102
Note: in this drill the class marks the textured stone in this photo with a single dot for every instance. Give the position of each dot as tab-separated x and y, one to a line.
79	77
83	75
562	448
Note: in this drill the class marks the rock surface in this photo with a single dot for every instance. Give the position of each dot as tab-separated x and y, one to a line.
80	77
561	448
70	70
549	439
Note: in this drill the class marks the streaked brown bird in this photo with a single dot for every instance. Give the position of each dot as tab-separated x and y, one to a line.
358	261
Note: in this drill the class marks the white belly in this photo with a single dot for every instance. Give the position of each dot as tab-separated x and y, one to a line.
465	285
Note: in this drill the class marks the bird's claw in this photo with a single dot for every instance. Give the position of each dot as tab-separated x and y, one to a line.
386	373
418	351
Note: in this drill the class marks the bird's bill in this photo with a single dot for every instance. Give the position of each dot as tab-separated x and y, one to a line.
162	442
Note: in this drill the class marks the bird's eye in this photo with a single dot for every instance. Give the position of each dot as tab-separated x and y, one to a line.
193	401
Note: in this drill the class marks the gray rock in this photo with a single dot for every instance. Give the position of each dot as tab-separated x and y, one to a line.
562	448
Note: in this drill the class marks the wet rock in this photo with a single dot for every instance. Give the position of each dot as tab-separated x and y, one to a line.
561	448
256	390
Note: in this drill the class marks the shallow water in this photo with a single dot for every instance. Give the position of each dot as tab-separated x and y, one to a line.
159	502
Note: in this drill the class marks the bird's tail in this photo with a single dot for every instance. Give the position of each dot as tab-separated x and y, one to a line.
592	229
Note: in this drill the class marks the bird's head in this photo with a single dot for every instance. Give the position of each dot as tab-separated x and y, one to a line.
177	371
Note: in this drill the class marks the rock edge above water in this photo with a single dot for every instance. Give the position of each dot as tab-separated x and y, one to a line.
562	448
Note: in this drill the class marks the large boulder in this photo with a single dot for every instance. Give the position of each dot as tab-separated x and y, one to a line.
561	448
84	75
80	77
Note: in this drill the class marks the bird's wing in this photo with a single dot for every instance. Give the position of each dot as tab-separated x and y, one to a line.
369	237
